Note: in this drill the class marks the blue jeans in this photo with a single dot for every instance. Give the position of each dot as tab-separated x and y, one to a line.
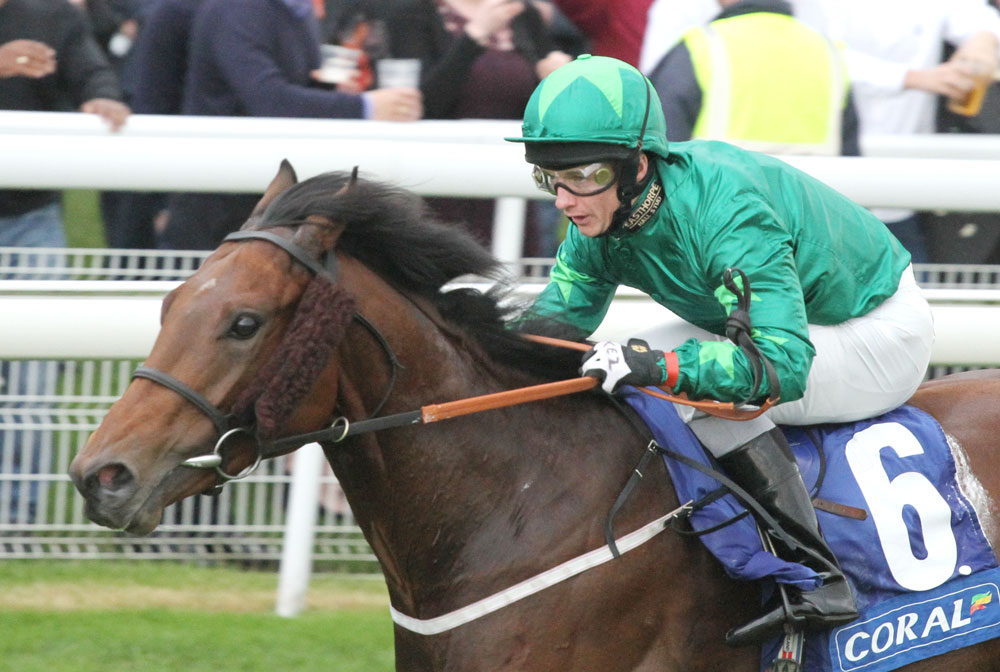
36	228
21	450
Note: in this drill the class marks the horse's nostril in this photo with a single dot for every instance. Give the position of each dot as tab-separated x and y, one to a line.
111	478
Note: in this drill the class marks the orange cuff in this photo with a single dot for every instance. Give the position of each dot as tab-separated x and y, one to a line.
673	369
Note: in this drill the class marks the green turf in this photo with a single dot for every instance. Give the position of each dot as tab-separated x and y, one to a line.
137	637
82	215
132	641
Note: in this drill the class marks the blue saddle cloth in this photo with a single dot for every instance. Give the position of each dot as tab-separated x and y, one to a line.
923	573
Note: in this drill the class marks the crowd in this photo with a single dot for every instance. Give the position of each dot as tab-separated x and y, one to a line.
830	72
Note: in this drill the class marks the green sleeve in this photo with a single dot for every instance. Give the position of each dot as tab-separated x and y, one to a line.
754	240
577	297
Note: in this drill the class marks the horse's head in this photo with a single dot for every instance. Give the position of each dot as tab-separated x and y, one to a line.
256	348
242	343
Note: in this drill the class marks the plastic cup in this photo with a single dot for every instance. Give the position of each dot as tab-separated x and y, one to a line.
973	101
339	64
398	73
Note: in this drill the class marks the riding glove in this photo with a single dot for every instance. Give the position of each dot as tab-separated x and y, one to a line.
615	365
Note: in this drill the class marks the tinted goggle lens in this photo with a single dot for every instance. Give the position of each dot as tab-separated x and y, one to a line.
582	181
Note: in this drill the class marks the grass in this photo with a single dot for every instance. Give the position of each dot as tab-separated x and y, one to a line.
123	616
82	215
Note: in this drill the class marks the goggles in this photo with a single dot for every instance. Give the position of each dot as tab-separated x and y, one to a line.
581	181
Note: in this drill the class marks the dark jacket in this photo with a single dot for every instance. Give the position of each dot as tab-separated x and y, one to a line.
246	58
83	73
254	58
159	58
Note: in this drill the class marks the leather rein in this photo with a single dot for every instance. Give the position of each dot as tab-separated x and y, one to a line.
229	427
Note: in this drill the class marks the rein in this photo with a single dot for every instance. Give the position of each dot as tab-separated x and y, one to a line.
229	426
722	409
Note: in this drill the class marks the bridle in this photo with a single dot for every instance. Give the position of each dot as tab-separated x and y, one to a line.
229	426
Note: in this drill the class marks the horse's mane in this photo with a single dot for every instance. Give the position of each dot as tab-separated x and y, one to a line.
393	232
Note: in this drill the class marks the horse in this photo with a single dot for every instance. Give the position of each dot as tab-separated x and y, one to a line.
335	305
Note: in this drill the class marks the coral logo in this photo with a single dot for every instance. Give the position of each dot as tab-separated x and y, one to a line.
916	630
979	602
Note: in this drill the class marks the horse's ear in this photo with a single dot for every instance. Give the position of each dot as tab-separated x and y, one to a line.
283	180
318	235
321	238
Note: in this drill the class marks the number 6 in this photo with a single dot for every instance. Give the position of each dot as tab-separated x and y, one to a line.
887	499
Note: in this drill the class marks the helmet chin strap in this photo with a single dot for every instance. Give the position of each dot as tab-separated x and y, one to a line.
628	187
626	198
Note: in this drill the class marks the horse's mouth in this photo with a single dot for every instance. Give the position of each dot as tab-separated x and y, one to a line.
136	515
139	512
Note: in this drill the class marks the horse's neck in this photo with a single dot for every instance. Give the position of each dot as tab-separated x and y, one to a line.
434	500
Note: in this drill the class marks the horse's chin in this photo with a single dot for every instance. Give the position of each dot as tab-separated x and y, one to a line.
144	522
138	523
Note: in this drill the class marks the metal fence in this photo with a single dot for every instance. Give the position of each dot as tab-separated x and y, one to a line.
48	408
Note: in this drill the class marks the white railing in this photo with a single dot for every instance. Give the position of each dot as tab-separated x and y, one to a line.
123	322
466	159
467	131
457	169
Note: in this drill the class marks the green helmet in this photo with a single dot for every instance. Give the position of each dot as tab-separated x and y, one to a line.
592	109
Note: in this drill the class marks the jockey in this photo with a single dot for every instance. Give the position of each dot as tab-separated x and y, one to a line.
834	308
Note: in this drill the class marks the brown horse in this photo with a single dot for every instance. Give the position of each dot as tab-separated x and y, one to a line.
455	511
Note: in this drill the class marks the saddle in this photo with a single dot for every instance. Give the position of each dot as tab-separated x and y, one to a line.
922	571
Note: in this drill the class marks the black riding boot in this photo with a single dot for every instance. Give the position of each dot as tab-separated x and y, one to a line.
765	468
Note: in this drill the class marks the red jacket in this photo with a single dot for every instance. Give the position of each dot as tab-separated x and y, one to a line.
615	28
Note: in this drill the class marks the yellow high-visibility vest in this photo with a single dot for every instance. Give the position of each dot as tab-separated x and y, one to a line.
768	83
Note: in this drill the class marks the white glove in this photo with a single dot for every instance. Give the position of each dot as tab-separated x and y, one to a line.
615	365
606	362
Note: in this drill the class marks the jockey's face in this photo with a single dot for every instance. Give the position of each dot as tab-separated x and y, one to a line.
592	214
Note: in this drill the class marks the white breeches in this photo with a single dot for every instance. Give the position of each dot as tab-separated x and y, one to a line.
863	367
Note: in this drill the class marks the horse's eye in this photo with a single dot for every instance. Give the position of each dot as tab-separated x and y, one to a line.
244	326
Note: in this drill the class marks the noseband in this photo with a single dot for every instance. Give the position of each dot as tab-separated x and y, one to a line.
229	426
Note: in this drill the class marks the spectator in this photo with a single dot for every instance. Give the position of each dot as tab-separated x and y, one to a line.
116	25
965	237
502	59
614	28
666	22
480	59
790	98
48	62
257	58
893	53
157	67
160	56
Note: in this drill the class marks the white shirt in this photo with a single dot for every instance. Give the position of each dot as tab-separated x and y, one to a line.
882	40
667	21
